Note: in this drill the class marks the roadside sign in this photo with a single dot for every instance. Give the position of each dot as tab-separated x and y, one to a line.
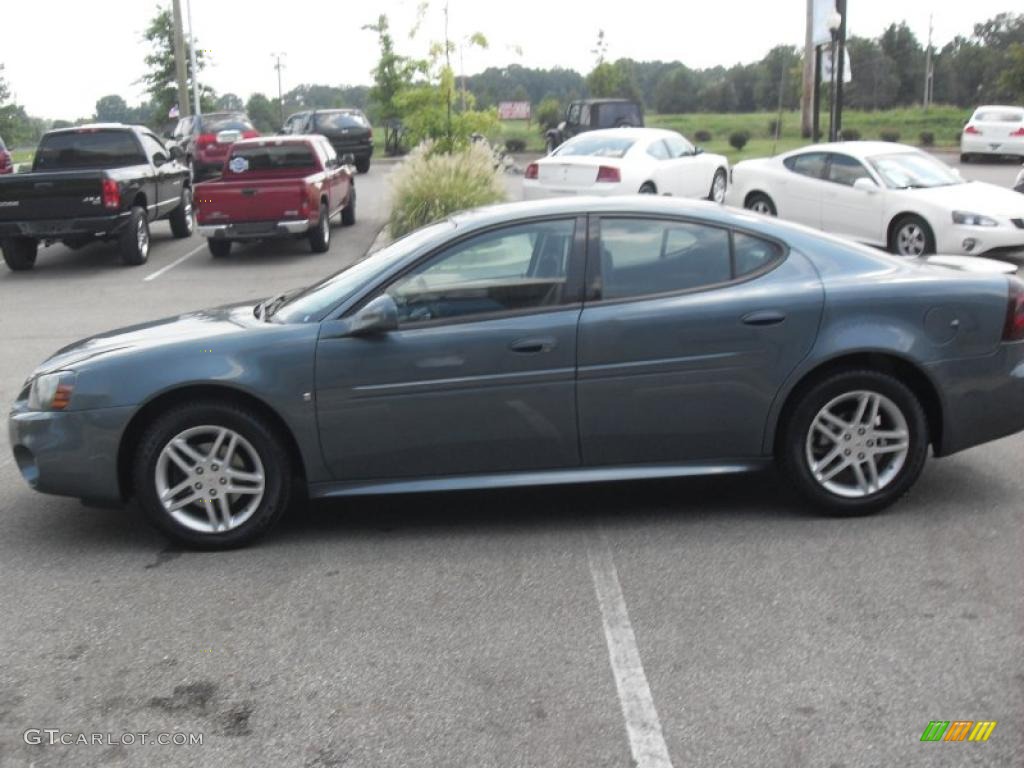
826	65
822	10
514	110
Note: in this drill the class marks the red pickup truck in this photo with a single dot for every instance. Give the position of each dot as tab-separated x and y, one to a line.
276	186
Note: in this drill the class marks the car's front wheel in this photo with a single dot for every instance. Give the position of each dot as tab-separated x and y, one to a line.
320	235
912	237
212	475
348	213
855	442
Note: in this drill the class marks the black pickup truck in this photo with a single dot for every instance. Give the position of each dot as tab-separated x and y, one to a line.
94	182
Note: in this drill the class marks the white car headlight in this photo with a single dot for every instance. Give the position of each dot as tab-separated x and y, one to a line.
973	219
51	391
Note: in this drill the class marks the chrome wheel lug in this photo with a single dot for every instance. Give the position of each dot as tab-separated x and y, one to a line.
214	468
223	481
199	485
199	470
213	491
847	452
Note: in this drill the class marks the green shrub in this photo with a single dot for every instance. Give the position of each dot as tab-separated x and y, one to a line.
738	140
548	114
702	136
429	185
851	134
927	139
515	145
889	135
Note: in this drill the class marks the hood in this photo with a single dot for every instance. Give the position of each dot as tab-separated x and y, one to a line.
201	326
974	197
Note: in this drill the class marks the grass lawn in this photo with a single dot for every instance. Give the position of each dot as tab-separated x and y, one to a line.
943	122
22	155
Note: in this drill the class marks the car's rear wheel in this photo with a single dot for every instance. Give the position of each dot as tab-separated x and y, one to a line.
912	237
320	235
363	165
20	253
965	158
855	442
758	202
212	475
182	221
134	240
348	213
648	188
218	248
718	186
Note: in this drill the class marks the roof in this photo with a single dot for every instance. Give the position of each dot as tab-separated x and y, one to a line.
860	149
628	132
99	127
606	101
280	138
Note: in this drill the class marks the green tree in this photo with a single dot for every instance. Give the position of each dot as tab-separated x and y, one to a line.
1012	79
264	113
160	80
676	91
230	102
900	45
112	109
392	75
548	114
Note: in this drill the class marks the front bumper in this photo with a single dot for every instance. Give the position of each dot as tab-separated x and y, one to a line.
69	453
54	229
259	230
983	398
1006	237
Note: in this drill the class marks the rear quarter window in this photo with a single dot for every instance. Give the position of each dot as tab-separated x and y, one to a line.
88	149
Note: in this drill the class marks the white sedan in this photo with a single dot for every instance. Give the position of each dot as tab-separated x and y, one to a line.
623	161
993	131
889	195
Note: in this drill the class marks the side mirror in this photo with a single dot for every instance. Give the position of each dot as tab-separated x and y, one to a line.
348	159
379	316
698	150
174	151
866	185
159	160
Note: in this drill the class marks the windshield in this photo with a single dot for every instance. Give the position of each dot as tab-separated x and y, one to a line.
88	148
999	115
336	121
913	170
596	146
313	304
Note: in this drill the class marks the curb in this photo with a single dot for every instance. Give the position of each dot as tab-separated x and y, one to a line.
382	240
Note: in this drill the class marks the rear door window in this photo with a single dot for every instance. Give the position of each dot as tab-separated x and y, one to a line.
88	148
810	164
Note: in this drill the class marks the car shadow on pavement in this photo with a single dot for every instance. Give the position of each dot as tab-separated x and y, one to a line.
94	259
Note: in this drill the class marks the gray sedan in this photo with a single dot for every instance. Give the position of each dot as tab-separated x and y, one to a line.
566	341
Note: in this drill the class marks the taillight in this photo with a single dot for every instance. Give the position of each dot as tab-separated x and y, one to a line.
1013	329
1018	132
206	139
111	195
972	130
607	173
304	207
250	134
531	171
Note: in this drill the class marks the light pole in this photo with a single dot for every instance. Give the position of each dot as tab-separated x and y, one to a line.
280	94
192	56
835	21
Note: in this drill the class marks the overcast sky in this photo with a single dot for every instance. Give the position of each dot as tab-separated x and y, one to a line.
59	69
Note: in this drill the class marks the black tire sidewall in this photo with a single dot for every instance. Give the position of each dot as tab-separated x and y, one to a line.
811	401
260	435
348	213
317	242
929	235
130	254
20	253
181	223
772	210
218	248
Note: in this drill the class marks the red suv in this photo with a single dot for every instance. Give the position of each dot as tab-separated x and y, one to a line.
204	140
6	163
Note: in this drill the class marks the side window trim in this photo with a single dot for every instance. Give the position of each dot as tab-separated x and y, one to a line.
594	280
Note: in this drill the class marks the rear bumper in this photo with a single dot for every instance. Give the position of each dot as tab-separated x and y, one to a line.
71	453
53	229
983	398
254	230
970	145
533	190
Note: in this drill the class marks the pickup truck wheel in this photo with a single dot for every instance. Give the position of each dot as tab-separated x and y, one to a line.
363	166
219	248
20	253
320	235
348	213
134	240
182	222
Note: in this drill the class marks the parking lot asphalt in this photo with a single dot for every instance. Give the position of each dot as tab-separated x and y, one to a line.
474	629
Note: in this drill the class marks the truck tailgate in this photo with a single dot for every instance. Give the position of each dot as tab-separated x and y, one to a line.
250	200
57	195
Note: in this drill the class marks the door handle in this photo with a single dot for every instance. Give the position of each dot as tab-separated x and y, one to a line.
533	346
764	317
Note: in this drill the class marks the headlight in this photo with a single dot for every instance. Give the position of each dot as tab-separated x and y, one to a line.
51	391
973	219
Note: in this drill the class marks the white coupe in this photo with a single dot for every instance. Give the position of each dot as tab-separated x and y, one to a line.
624	161
889	195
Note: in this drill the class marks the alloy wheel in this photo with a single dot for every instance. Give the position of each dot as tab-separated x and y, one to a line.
761	206
718	189
911	240
142	237
210	479
857	444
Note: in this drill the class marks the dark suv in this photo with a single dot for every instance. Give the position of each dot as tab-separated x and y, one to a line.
204	140
348	130
592	114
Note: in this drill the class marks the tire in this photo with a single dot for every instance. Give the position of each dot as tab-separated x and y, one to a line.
320	235
647	188
759	202
719	186
134	240
896	470
219	248
190	164
911	236
182	221
348	213
965	158
20	253
259	467
363	165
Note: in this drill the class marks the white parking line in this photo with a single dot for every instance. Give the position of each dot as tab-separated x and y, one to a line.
642	725
173	264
